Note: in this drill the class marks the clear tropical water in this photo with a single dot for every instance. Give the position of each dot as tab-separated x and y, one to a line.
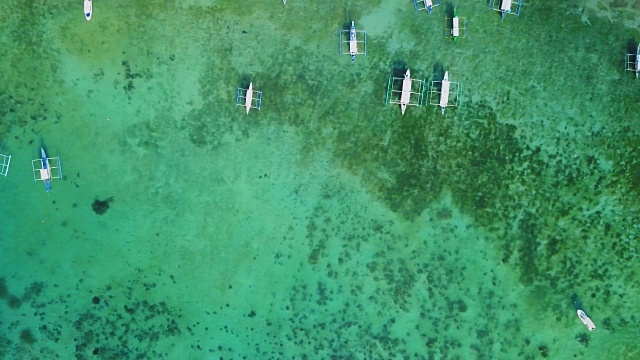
326	225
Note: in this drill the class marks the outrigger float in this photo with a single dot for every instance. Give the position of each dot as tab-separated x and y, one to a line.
426	5
586	320
455	27
506	7
632	62
88	9
445	93
355	46
46	169
5	161
249	98
408	93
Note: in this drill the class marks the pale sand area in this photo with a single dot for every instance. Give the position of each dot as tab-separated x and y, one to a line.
325	225
623	12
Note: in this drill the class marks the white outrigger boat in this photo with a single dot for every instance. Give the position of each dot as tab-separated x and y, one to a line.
445	93
88	9
406	91
458	26
249	98
353	43
444	97
586	320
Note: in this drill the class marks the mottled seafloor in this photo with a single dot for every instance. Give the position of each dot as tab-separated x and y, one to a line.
326	225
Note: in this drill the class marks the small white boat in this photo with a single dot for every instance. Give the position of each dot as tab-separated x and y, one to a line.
249	98
586	320
444	93
353	42
455	27
88	9
405	96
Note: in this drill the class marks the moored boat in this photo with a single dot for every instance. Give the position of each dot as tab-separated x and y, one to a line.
45	172
586	320
249	98
88	9
428	4
405	95
444	97
353	43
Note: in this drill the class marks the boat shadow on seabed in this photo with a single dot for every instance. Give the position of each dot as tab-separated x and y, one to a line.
577	304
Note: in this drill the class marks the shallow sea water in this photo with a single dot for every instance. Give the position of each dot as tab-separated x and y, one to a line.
326	225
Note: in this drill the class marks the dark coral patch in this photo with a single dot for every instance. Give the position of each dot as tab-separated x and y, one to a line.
101	206
26	337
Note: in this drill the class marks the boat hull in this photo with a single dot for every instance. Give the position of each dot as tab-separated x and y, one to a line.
353	42
444	96
586	320
405	96
249	98
88	9
47	170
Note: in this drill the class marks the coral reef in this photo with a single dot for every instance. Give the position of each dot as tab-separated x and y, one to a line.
100	207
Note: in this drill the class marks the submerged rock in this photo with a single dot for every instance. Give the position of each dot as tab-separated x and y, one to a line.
101	206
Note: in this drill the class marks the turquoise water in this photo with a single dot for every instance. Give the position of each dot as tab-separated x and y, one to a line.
326	225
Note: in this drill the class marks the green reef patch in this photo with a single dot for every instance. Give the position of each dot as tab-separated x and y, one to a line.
471	155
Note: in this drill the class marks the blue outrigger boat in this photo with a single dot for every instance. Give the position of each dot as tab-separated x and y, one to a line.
426	5
349	43
46	169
